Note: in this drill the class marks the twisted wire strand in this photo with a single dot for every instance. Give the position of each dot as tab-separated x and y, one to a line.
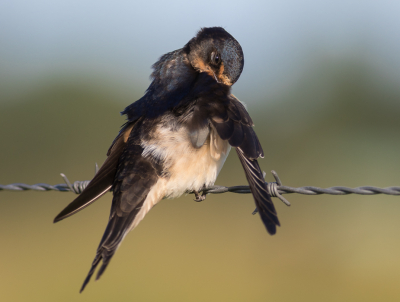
35	187
366	190
276	189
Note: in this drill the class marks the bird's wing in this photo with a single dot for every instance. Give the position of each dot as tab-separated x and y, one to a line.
236	127
135	177
216	105
104	178
259	190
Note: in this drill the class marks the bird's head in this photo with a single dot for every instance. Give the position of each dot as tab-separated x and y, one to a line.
217	53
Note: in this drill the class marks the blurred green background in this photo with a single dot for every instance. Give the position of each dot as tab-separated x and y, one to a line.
322	85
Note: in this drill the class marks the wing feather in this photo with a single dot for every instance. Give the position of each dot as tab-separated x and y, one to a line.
99	185
237	129
258	188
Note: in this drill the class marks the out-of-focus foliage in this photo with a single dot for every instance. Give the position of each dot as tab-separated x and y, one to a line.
338	124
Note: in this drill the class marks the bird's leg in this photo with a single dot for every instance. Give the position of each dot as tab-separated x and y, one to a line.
199	197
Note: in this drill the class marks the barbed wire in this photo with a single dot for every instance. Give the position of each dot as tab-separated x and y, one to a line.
275	189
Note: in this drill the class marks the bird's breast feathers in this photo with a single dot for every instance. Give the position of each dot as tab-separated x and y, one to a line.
188	163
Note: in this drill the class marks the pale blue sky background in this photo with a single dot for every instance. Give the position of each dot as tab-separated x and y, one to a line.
120	40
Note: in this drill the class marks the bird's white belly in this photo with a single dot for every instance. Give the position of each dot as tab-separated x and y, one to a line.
188	168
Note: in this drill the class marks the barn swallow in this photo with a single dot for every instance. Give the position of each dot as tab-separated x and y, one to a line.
176	139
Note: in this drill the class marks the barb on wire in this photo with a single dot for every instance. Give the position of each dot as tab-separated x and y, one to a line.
275	189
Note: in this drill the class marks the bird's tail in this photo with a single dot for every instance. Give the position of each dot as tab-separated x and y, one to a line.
105	256
115	232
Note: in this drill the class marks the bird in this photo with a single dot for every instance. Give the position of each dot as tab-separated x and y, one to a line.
176	139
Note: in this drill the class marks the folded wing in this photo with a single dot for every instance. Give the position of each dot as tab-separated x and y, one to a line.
103	180
236	127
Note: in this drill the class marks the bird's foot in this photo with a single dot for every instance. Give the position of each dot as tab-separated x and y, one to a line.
199	197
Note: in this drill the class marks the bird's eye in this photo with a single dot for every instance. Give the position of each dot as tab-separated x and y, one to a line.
215	58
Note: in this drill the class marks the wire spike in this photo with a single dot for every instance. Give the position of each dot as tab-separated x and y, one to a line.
278	180
68	183
273	188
